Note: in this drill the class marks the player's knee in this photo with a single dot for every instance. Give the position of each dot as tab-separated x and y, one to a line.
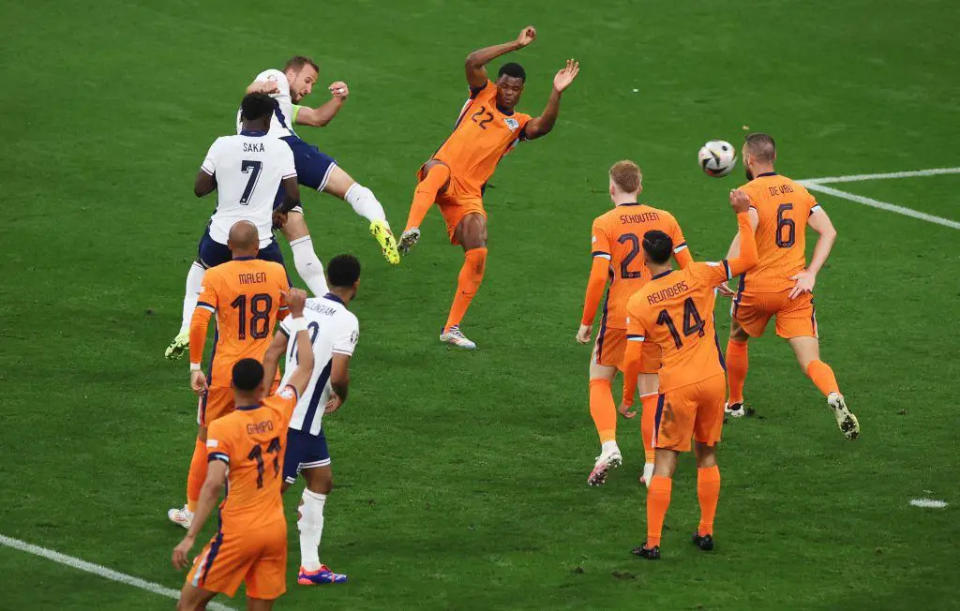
296	227
737	333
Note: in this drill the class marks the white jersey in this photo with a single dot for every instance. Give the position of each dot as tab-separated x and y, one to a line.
248	169
333	329
282	122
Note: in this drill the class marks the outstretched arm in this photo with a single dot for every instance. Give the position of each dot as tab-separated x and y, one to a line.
747	258
541	126
212	487
476	62
323	114
819	222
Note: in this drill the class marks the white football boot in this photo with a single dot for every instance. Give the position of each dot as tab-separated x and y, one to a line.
848	423
734	410
454	337
647	474
608	459
408	239
180	516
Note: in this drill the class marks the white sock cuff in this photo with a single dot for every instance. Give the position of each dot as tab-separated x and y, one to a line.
309	495
302	240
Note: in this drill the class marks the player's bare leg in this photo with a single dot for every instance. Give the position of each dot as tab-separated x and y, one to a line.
260	604
648	385
435	178
193	598
807	350
708	493
471	233
305	258
737	362
312	572
658	501
183	516
603	410
364	203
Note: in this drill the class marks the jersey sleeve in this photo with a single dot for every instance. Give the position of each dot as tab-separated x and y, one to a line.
676	235
209	164
711	273
219	446
284	401
288	167
812	204
346	340
476	91
208	292
599	241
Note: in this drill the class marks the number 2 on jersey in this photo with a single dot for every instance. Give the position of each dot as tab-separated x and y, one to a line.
313	328
692	323
634	251
253	168
482	122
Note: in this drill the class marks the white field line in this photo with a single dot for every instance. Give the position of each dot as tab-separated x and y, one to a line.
929	503
859	177
875	203
98	570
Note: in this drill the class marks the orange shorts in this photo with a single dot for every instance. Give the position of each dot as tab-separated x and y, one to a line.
257	557
691	411
456	201
611	345
795	317
218	402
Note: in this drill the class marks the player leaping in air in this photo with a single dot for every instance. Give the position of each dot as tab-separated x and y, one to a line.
782	284
487	129
315	169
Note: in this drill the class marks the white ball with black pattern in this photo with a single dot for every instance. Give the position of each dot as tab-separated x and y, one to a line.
717	158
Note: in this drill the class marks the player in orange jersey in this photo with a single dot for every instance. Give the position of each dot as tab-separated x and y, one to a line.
245	449
782	284
454	177
617	254
675	311
247	296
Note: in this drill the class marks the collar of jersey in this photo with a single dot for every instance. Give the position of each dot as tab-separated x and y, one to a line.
629	204
253	133
333	297
505	112
767	174
243	258
248	407
660	275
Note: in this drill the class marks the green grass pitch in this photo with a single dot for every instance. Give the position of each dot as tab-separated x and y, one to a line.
460	478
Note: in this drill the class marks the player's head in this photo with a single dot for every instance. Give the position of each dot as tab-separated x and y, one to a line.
243	239
626	179
759	151
343	274
256	110
510	80
657	247
302	73
247	378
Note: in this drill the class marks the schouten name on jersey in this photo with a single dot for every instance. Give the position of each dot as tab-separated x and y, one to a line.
333	329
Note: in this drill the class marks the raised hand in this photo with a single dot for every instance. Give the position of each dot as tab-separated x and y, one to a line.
296	299
339	90
566	75
526	36
739	201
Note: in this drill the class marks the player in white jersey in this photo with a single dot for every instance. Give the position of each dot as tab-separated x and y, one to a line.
246	170
316	169
333	331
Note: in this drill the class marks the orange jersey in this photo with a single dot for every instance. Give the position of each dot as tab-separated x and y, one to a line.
252	440
783	207
246	296
617	236
675	311
482	136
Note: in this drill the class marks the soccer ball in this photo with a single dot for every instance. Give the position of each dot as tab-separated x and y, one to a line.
717	158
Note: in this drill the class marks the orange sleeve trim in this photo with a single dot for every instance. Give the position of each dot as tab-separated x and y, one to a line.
632	359
198	332
595	285
748	247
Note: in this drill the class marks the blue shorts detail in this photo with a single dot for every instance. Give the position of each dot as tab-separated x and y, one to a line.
304	451
313	166
211	253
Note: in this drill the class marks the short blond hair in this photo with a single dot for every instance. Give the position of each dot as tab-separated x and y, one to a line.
627	176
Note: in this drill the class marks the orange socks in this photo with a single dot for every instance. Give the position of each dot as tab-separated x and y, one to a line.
658	500
426	193
471	274
823	377
602	409
197	474
648	418
736	369
708	492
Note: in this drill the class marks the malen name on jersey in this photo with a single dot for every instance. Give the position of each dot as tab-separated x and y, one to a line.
256	278
253	147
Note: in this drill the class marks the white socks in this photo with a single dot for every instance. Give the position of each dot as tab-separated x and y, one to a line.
308	265
608	446
194	286
364	203
310	526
